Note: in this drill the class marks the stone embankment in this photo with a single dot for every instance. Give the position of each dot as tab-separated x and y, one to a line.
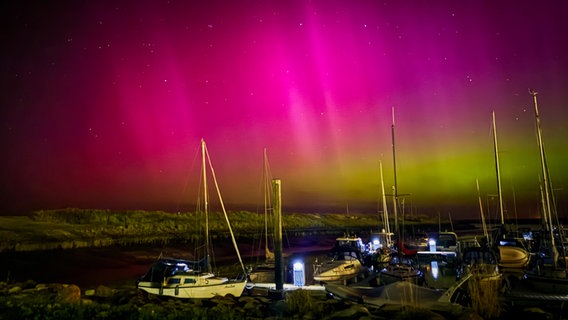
67	301
31	300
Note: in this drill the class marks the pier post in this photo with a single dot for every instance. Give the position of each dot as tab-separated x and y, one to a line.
278	265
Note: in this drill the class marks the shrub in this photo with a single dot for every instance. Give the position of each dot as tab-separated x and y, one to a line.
484	292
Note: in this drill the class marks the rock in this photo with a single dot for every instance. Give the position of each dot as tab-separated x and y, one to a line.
56	287
279	307
123	296
90	292
41	286
246	299
103	292
354	312
227	300
251	305
14	289
29	284
253	309
263	300
69	294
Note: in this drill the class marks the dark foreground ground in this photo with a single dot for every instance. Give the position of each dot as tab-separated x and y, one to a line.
29	300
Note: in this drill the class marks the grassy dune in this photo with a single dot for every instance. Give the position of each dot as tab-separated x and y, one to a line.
74	228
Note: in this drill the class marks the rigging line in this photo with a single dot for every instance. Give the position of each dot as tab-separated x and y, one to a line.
225	211
187	179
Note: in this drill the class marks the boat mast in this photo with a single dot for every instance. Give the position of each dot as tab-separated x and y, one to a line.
544	168
394	188
205	204
267	203
496	149
386	213
485	233
543	204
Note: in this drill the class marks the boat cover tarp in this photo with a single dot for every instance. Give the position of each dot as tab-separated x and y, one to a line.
399	293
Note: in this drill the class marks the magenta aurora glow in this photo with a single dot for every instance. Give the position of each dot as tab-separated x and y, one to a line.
104	102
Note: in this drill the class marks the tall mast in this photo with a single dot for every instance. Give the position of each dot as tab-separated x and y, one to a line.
384	198
544	168
485	233
267	201
395	187
499	191
205	203
543	204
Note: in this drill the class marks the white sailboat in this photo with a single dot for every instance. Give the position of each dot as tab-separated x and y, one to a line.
190	279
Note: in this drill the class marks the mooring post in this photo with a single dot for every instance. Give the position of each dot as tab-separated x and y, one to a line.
278	265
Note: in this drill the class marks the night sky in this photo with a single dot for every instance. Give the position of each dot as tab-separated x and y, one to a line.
104	103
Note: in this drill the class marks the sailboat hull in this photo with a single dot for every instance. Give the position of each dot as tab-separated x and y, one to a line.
337	272
204	291
345	263
513	257
555	283
396	272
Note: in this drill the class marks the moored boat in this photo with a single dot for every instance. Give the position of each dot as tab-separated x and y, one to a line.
401	269
176	278
344	264
548	281
513	254
186	279
264	272
480	260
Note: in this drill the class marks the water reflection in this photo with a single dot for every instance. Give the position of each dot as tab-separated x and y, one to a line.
434	269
